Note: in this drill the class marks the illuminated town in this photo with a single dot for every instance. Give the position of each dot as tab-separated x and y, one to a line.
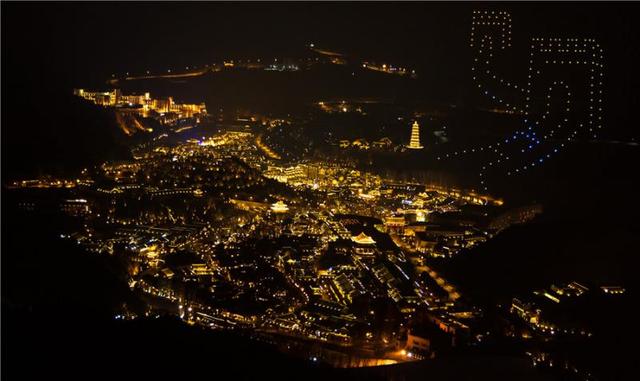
356	230
287	250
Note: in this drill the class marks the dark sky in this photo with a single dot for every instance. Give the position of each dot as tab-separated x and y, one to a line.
78	43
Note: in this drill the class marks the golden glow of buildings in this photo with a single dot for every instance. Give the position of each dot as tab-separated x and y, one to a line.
279	207
414	143
144	102
229	137
49	183
614	290
363	239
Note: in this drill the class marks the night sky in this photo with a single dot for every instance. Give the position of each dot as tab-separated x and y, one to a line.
79	44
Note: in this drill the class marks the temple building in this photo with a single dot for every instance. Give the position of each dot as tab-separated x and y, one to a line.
279	207
363	239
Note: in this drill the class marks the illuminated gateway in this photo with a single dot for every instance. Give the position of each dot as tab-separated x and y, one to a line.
414	143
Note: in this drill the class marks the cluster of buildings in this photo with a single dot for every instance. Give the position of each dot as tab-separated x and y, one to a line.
384	143
143	104
363	144
323	176
233	238
544	313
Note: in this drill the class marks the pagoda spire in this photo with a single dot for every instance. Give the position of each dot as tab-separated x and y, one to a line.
414	143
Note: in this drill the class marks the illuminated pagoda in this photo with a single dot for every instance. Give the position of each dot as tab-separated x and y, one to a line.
414	143
279	207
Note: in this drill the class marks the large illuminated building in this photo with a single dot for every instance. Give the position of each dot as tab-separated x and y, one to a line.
102	98
144	103
414	143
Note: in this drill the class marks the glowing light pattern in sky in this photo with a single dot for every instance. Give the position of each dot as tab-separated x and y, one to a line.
560	102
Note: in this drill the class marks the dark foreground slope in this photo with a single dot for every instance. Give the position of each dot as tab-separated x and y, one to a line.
588	232
57	135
